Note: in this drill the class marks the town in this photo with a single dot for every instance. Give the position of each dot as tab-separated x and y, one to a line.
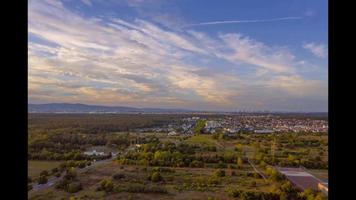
242	123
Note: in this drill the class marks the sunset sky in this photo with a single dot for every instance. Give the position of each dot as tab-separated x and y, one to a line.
195	54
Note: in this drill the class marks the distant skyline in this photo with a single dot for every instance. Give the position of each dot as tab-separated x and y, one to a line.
200	55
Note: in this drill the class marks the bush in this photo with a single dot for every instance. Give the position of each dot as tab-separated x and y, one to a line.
106	185
252	195
156	177
219	173
221	165
42	180
58	174
118	176
55	170
74	187
71	174
139	188
62	184
44	173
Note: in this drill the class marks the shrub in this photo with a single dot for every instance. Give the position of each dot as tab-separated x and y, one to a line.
221	165
71	174
106	185
74	187
252	195
118	176
62	184
156	177
42	180
44	173
219	173
139	188
58	174
55	170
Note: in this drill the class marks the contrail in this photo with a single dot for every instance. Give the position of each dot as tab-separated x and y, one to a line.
242	21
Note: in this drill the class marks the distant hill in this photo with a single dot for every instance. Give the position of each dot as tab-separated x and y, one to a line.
83	108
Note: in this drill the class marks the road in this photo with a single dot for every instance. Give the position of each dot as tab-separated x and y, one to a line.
51	181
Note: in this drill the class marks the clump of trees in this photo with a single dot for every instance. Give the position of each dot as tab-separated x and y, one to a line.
42	180
155	177
106	185
219	173
69	182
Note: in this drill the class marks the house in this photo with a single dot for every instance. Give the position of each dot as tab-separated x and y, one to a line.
94	153
172	133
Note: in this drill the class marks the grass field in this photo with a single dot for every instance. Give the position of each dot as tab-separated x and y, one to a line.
201	140
36	167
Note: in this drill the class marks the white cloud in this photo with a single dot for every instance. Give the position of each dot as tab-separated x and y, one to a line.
319	50
87	2
139	63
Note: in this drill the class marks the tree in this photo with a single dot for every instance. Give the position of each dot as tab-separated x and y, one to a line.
219	173
106	185
55	170
74	187
44	173
239	162
156	177
70	174
42	180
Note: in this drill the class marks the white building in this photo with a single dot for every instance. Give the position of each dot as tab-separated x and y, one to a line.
94	153
172	133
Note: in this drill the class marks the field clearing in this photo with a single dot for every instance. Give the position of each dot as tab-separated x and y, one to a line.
173	180
202	140
320	173
36	167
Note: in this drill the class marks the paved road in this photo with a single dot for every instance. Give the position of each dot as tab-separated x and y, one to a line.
51	181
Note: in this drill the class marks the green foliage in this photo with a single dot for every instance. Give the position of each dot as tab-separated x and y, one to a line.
118	176
42	180
140	188
74	187
199	126
106	185
156	177
44	173
239	162
252	195
219	173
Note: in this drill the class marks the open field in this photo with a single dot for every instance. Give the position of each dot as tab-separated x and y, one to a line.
320	173
36	167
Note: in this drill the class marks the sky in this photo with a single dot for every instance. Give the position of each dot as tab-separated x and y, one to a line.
228	55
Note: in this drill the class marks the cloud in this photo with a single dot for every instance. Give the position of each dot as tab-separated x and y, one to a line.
87	2
140	63
319	50
242	21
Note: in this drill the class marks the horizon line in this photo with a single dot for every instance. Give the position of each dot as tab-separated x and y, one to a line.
192	110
